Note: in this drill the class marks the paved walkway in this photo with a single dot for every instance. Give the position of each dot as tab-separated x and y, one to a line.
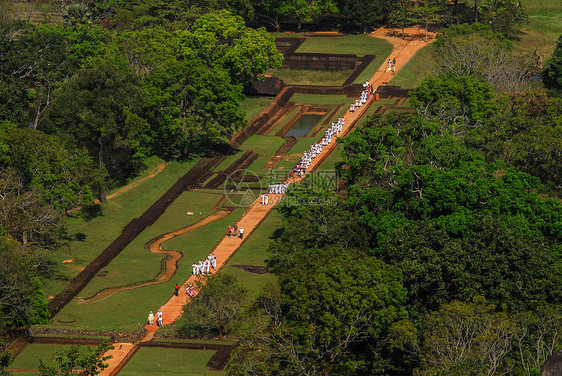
403	50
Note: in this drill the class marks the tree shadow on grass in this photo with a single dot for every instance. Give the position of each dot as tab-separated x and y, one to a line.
90	212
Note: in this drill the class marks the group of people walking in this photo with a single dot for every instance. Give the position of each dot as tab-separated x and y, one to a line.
363	98
391	65
278	189
235	231
203	267
159	318
315	149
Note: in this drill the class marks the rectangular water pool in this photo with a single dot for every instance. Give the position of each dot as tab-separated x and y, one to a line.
301	127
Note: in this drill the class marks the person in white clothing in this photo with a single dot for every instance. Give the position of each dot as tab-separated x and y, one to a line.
159	318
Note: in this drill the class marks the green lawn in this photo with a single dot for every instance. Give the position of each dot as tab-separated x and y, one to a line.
263	145
165	362
134	263
252	106
382	53
311	77
335	157
415	70
357	44
29	357
545	16
543	28
88	238
320	99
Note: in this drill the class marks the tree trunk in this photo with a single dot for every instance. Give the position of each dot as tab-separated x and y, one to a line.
100	152
38	113
299	24
40	109
103	197
475	11
456	12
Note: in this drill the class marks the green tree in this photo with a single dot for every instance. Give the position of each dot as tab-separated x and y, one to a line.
222	39
5	355
526	135
429	12
459	100
22	301
193	79
467	339
364	14
175	14
552	73
538	336
334	303
402	16
502	15
76	14
99	108
25	215
73	359
477	50
215	308
64	178
270	10
254	334
306	10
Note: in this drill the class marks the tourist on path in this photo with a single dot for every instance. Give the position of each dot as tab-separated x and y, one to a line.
159	318
241	232
150	318
177	289
229	230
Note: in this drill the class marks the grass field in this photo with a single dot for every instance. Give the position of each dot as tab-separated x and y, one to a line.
357	44
311	77
320	99
29	357
88	238
542	30
415	70
545	16
383	51
166	362
252	106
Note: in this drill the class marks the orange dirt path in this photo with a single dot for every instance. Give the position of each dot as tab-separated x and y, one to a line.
403	50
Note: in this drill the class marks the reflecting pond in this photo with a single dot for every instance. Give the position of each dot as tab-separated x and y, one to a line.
301	127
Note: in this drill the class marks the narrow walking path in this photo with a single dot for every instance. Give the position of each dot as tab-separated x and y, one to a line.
403	50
